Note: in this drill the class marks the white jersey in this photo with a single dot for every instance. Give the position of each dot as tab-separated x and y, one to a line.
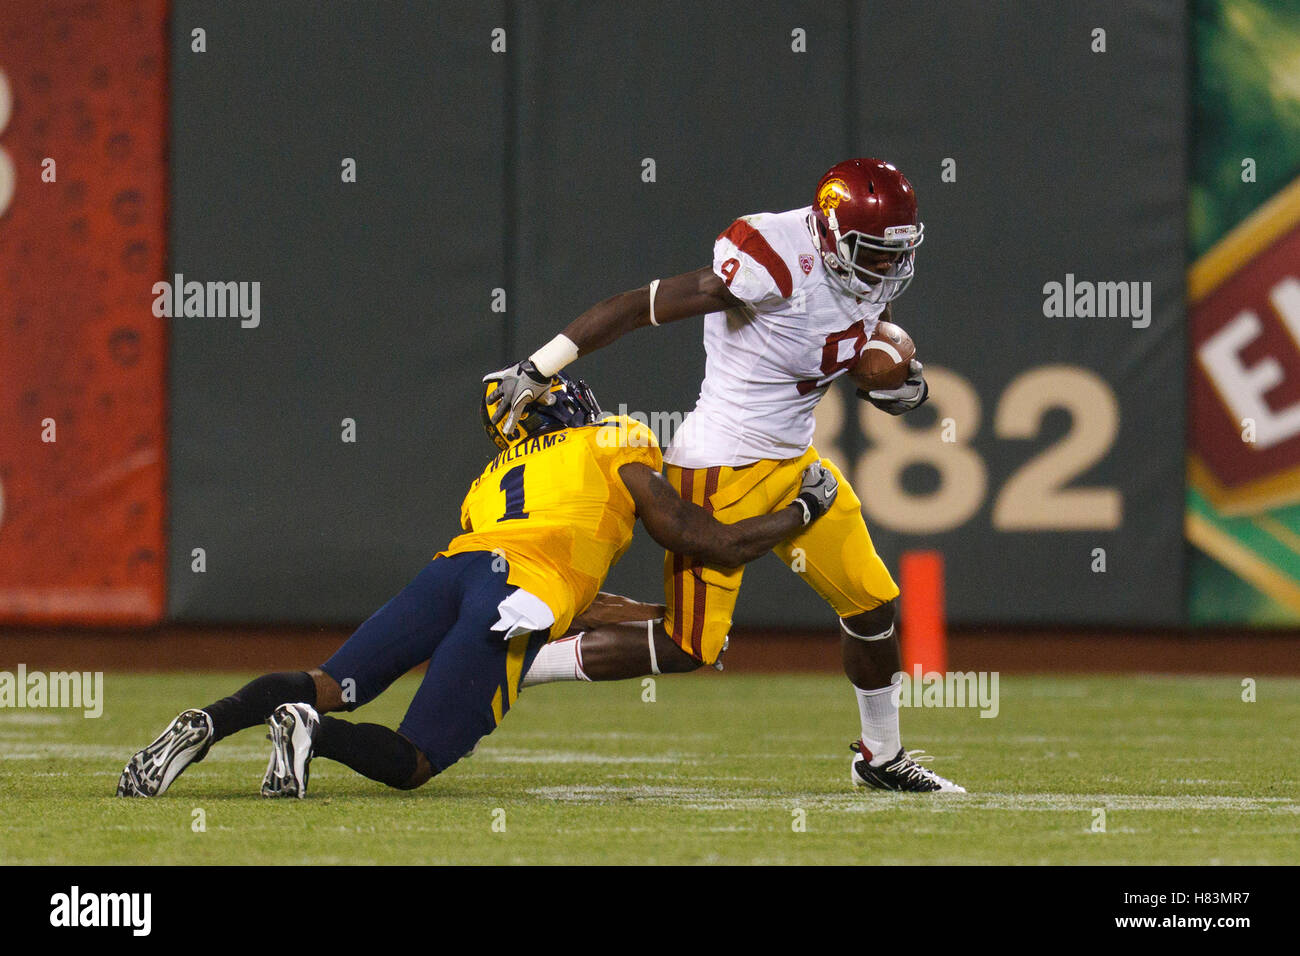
770	361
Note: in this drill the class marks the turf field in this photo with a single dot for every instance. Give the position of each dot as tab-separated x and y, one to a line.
713	771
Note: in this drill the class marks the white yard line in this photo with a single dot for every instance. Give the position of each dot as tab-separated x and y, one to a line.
706	798
565	756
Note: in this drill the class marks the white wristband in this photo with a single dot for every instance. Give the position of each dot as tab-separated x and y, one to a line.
654	287
554	355
807	512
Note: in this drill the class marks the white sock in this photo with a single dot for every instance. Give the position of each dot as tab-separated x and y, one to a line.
879	710
558	660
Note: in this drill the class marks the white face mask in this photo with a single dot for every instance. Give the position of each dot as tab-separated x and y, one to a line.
859	281
879	287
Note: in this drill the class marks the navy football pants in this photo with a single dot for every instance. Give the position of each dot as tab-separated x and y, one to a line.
444	617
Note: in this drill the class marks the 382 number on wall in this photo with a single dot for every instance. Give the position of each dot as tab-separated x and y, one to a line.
1038	496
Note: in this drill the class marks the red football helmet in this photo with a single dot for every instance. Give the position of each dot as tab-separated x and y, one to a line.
864	224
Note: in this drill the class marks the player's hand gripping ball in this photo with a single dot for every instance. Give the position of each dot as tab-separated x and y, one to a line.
887	372
883	363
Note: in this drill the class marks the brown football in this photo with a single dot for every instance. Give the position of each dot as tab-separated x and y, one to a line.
883	360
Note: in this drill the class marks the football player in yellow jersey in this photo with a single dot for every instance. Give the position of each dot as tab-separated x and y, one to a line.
542	524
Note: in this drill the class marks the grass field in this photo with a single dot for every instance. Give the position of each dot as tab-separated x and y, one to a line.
713	771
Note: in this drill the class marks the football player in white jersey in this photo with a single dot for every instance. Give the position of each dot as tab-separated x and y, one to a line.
789	303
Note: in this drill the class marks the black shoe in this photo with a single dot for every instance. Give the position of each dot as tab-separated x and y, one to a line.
293	729
903	772
152	770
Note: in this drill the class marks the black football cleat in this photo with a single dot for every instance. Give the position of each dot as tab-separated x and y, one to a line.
152	770
293	729
902	773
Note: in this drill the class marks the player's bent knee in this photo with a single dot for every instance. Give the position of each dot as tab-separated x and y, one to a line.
672	659
329	695
874	625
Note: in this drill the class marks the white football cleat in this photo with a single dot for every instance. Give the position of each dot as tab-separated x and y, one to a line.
903	773
152	770
293	729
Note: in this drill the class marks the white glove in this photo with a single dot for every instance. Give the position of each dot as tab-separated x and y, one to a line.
517	386
906	397
817	492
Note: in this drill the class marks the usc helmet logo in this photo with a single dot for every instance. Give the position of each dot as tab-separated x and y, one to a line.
832	193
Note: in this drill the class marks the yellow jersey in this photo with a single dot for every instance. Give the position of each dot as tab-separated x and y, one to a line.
556	508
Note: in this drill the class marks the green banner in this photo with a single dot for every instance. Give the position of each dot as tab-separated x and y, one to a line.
1243	509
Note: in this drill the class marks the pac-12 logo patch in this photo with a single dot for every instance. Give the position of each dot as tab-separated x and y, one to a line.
805	263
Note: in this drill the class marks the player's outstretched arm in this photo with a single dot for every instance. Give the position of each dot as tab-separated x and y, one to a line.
686	528
675	298
664	300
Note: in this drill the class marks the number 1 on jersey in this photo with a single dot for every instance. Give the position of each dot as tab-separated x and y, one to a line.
512	483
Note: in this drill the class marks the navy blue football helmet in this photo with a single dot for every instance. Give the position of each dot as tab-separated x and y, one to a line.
574	406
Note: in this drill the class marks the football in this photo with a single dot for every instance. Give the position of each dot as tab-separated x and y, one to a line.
884	359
